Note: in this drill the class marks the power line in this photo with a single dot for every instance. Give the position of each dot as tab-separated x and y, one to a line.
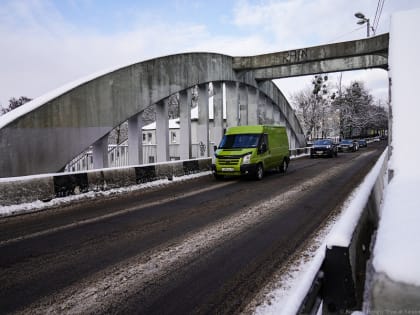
378	14
348	33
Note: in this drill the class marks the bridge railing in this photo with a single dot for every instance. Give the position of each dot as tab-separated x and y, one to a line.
340	280
118	156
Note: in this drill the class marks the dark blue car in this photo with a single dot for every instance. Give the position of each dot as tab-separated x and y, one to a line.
324	147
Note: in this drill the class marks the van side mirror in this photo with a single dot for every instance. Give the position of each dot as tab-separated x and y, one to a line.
263	148
215	148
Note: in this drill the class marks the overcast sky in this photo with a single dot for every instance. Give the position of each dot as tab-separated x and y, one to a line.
48	43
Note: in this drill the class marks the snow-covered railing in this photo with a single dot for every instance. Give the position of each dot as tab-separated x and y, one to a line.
340	279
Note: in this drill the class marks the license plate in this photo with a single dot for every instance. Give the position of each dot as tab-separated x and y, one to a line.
319	152
228	169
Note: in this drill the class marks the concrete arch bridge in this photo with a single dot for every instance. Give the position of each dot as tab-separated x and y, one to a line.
43	135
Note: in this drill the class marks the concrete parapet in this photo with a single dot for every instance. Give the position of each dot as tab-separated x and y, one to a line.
26	190
46	187
204	165
166	170
340	281
111	178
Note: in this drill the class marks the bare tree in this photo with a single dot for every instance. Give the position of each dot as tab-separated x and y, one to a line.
15	103
314	108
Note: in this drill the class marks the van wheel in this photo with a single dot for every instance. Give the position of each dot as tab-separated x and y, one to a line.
259	173
283	166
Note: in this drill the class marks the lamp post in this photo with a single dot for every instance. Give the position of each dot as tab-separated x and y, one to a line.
363	20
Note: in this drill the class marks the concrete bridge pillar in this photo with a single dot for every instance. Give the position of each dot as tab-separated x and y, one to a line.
269	111
203	120
185	98
253	101
243	105
276	115
135	140
162	131
218	111
232	104
262	107
100	153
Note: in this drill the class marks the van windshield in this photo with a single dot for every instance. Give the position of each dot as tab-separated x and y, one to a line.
240	141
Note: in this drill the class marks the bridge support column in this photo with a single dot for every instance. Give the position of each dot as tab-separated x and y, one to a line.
232	104
253	101
185	124
218	112
100	153
276	115
262	107
243	105
269	111
135	140
162	131
203	121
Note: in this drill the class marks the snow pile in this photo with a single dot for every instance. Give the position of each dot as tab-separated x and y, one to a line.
397	249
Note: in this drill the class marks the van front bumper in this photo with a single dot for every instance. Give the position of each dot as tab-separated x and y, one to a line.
248	169
245	169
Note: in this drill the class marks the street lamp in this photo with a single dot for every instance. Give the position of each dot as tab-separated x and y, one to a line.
363	20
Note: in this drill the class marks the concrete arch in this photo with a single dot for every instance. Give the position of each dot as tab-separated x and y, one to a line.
48	132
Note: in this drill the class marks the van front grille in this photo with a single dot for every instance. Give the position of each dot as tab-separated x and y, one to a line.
228	161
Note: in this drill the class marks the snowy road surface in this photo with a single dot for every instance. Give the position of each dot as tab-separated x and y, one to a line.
199	246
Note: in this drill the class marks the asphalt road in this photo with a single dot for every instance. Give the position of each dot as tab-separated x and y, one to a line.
194	247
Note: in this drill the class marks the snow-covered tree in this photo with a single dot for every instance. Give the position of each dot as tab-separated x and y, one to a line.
355	108
314	109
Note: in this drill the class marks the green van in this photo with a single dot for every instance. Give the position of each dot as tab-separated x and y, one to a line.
250	150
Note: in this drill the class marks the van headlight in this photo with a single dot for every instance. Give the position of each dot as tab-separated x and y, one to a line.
246	159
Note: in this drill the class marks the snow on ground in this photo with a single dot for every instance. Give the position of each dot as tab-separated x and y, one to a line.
397	248
295	283
40	205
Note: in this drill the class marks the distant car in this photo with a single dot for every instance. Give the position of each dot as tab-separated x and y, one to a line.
324	147
362	143
348	146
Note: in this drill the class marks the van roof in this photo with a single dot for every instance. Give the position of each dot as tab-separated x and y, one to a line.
250	129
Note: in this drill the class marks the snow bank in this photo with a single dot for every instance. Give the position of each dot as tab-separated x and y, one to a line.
397	249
